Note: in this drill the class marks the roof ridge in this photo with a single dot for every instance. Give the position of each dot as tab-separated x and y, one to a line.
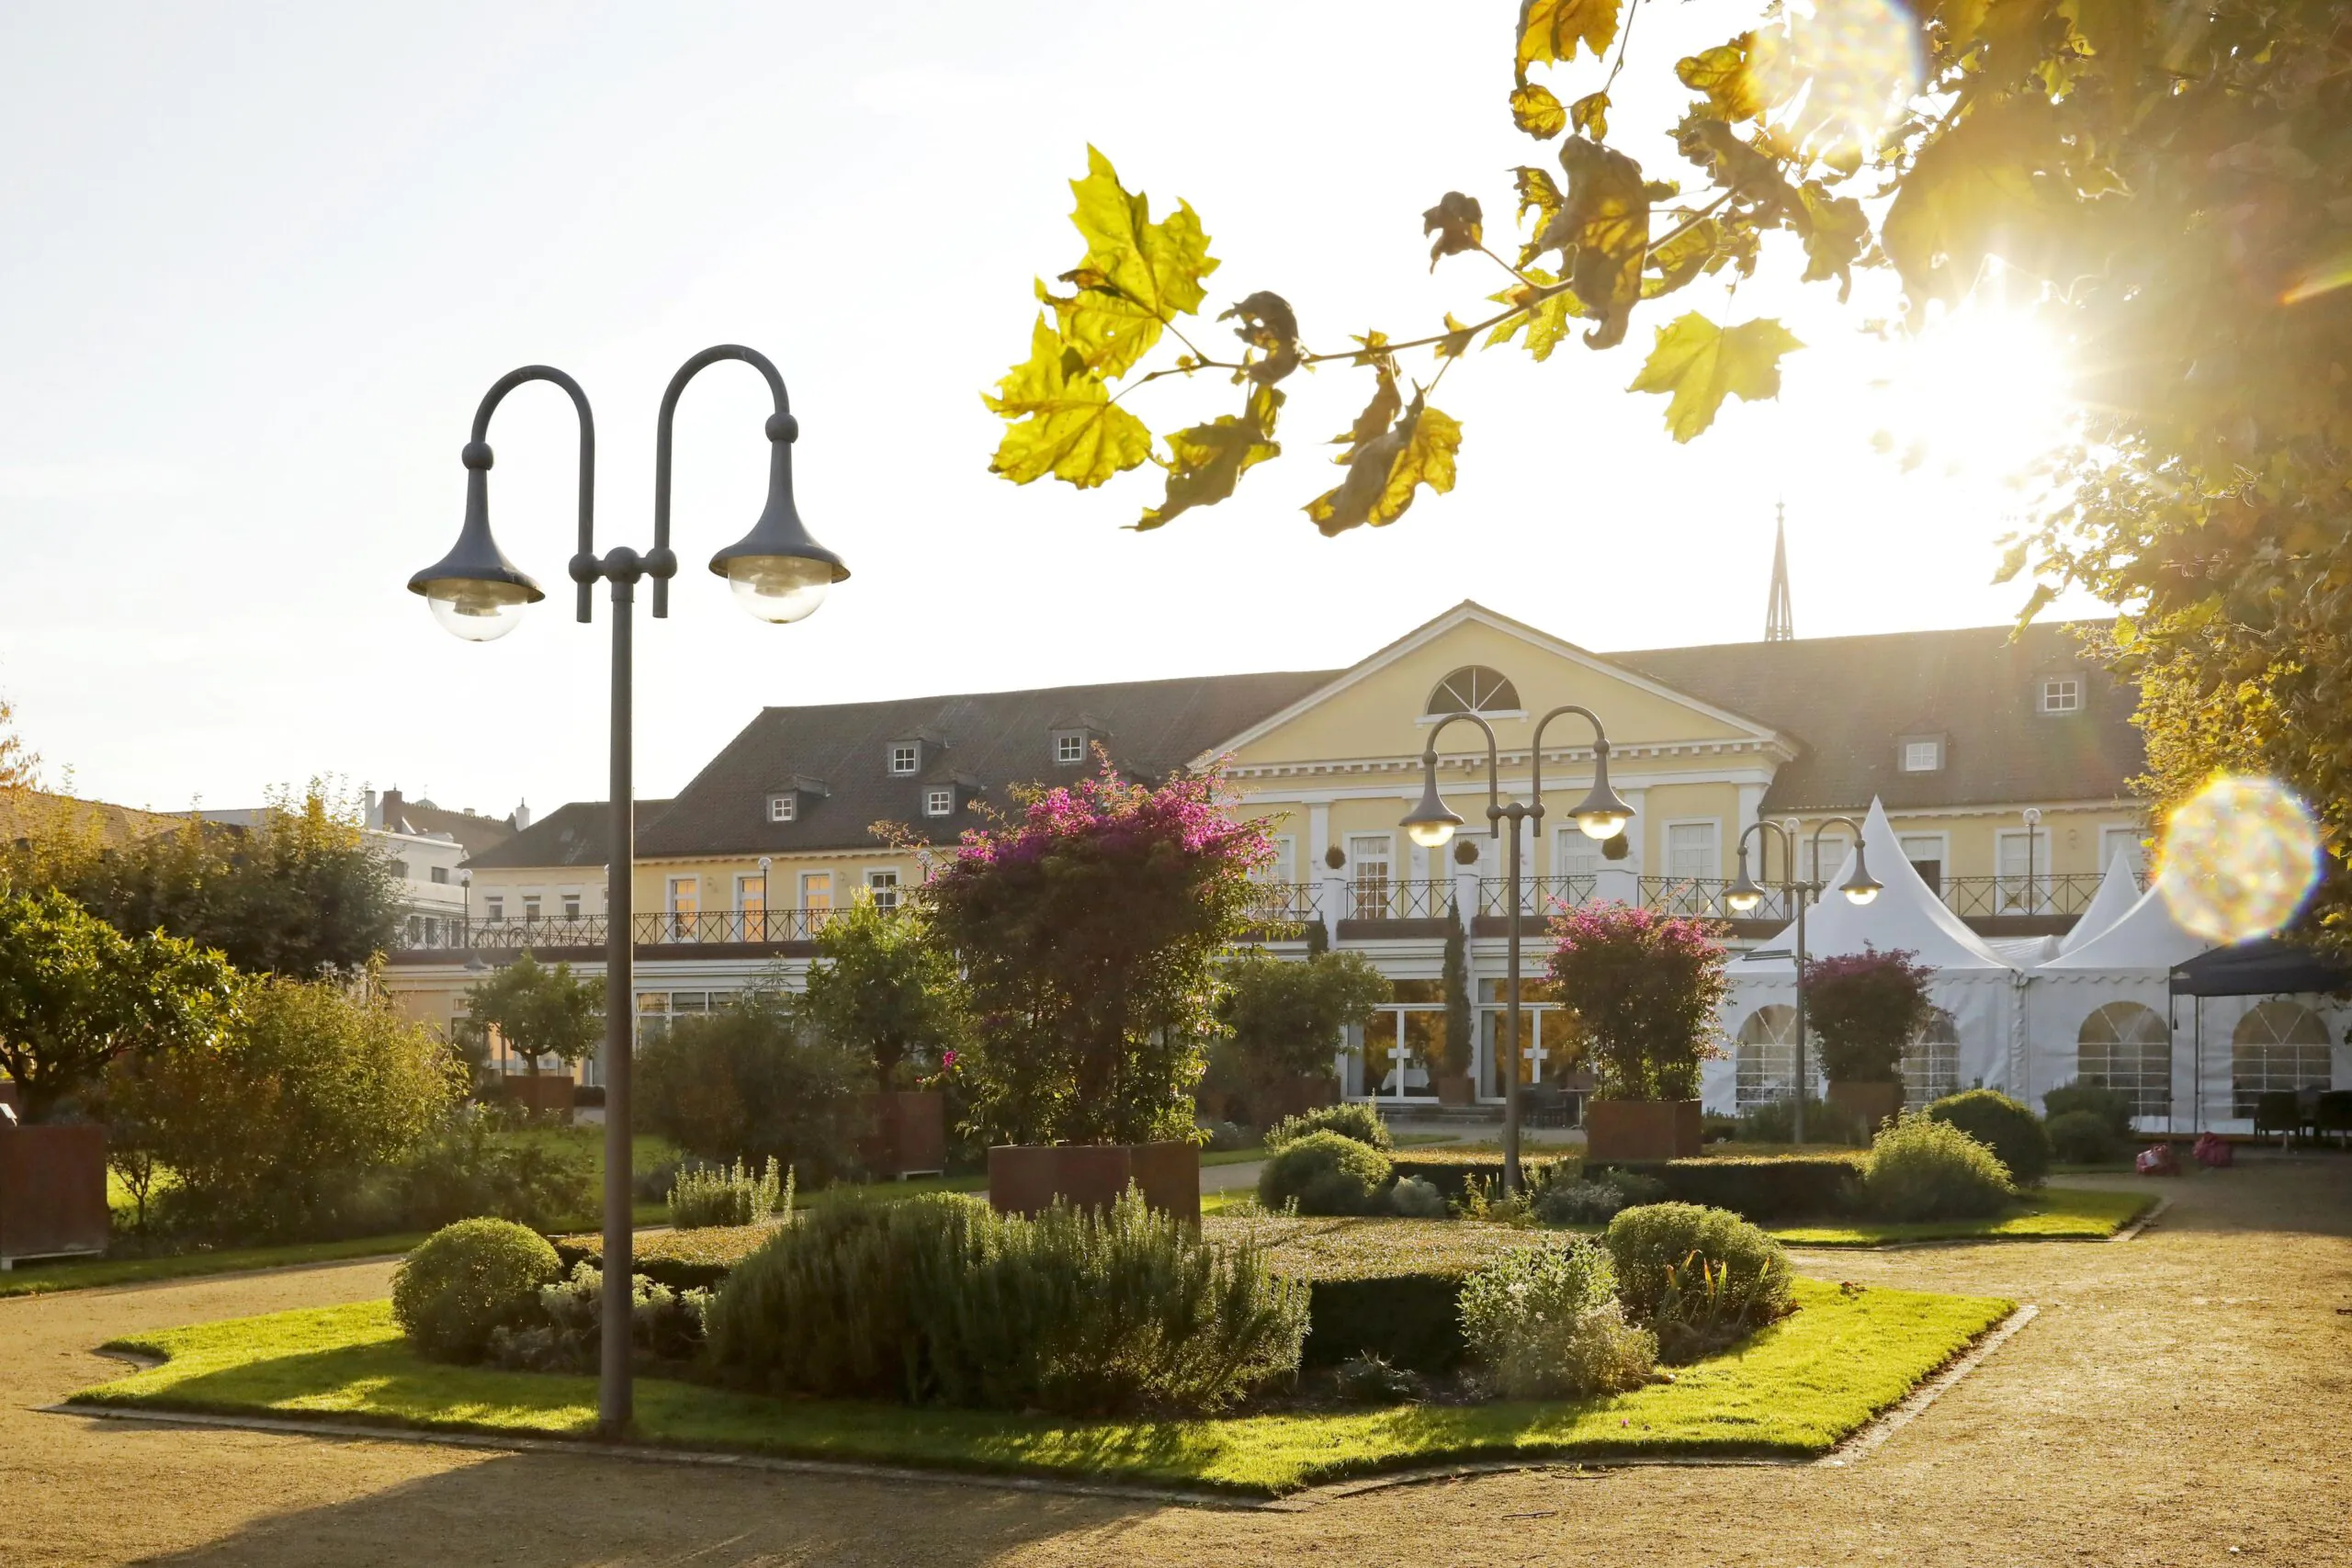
1049	691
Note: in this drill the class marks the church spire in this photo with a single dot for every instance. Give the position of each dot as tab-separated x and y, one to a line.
1778	624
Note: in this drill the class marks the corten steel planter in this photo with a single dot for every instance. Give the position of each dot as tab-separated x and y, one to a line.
1629	1131
1875	1103
543	1092
909	1133
1455	1089
1024	1178
52	1191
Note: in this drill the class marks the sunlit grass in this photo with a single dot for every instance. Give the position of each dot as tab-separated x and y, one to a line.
1794	1390
2053	1213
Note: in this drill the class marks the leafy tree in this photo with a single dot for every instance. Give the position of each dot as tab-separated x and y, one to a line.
886	987
19	767
1089	929
1460	1019
76	995
539	1012
742	1083
1865	1007
300	893
1642	990
1286	1018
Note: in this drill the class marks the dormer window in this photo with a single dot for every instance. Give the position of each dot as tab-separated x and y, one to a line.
1923	753
905	757
2062	693
799	791
1069	747
785	808
939	802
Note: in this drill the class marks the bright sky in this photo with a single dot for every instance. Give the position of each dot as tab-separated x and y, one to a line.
264	261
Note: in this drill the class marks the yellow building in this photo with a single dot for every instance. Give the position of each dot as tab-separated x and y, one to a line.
2001	761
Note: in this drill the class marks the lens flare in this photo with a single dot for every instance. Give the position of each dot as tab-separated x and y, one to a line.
1838	72
2239	859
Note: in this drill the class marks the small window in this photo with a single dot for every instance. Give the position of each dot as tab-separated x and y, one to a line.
441	874
493	909
903	757
938	802
530	905
1069	748
2062	693
1922	756
572	905
400	869
784	808
882	886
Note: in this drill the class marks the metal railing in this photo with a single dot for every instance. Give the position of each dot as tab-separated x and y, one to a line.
659	929
1701	896
1285	903
1416	898
1538	895
2050	893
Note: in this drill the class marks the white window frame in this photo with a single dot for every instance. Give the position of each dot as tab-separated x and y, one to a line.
691	908
809	883
906	756
1365	850
1715	825
939	801
1572	847
882	886
2129	835
493	909
1923	756
1284	865
574	902
2061	694
785	808
2034	900
1821	865
1069	748
1942	842
533	905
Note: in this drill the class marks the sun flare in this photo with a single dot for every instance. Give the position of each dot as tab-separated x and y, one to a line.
1982	391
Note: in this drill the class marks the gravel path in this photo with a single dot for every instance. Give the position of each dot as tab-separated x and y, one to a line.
2182	1399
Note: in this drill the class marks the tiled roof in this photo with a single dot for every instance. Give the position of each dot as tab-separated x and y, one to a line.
1851	700
999	738
474	832
577	834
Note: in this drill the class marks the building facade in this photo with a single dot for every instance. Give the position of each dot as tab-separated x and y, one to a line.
2003	760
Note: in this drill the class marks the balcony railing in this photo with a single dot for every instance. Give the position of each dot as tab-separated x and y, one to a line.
1381	898
660	929
1538	895
2050	893
1285	903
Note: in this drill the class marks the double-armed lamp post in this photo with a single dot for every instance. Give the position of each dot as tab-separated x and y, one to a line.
1602	814
778	574
1745	893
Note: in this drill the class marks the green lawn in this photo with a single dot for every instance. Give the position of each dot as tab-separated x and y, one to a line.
1794	1390
2054	1213
83	1274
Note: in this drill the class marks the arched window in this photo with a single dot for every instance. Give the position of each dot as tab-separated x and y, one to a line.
1474	688
2127	1048
2279	1045
1764	1058
1931	1062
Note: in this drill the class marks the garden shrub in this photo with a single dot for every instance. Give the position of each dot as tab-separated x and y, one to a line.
1774	1121
466	1280
1578	1203
569	1334
1324	1173
1370	1380
468	1169
1545	1324
741	1083
1080	1312
1285	1017
720	1195
1452	1170
2001	1124
1417	1200
1224	1136
2111	1105
682	1259
1924	1167
1699	1278
1757	1186
1645	988
1350	1119
1863	1007
2083	1137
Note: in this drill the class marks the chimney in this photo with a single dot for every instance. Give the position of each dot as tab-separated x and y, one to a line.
389	813
522	815
373	815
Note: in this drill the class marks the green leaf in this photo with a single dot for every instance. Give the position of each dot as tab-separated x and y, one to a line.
1590	115
1602	232
1067	424
1138	275
1535	111
1458	224
1205	461
1727	76
1701	364
1383	473
1550	29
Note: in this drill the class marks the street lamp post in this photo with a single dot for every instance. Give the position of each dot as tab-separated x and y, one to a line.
764	928
778	574
1602	814
1744	894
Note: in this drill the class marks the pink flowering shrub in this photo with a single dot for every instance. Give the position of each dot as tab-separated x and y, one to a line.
1644	988
1866	1007
1089	926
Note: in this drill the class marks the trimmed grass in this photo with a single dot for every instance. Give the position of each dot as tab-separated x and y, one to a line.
2054	1213
1794	1390
83	1274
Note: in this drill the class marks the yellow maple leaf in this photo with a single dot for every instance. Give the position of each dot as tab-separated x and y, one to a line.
1550	29
1065	424
1700	364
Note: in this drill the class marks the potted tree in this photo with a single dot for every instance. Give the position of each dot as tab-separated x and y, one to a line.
1286	1019
540	1012
1642	989
885	987
1454	1083
1864	1008
77	996
1089	927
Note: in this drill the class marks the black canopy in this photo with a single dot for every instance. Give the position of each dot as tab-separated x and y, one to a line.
2262	967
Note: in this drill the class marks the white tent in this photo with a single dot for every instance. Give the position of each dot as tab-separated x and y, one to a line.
2118	890
2108	979
1974	984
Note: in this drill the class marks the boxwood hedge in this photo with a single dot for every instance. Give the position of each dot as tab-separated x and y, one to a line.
1450	1169
694	1259
1763	1186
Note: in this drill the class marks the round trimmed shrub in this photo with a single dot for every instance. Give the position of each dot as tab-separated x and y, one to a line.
468	1280
2002	1125
2111	1105
1545	1323
1698	1277
1351	1120
1328	1174
1924	1167
2083	1137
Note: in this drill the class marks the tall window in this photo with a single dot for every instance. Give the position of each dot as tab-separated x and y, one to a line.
902	757
882	886
1573	854
2278	1046
1764	1058
751	907
2123	842
1691	851
2022	864
684	902
1474	688
2062	693
1820	861
816	889
1931	1063
2127	1047
1368	859
1925	854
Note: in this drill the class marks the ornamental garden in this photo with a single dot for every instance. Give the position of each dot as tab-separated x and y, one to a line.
1064	1304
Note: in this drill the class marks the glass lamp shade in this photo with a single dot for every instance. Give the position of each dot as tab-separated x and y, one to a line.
1430	824
779	589
1859	894
477	609
1432	835
1743	894
1602	824
1602	814
1861	888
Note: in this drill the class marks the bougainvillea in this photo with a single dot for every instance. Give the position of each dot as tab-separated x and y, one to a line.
1089	925
1865	1007
1644	990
